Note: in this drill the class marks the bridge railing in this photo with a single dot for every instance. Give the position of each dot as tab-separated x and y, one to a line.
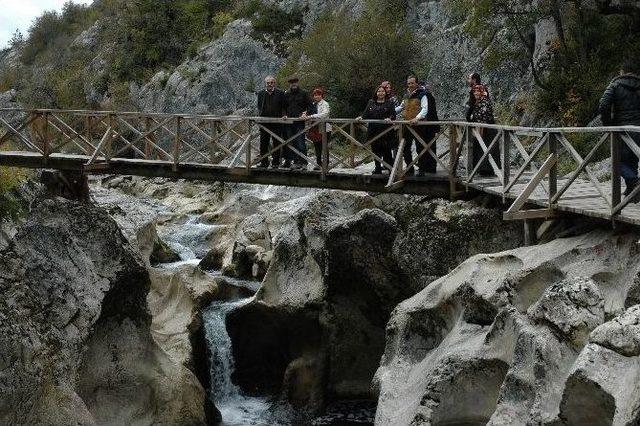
547	167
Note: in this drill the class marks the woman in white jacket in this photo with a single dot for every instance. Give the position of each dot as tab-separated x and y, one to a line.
322	111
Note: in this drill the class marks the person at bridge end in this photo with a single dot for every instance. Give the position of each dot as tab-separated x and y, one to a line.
271	104
619	106
419	105
321	110
298	105
481	111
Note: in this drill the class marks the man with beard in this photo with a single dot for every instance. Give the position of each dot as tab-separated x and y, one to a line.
298	105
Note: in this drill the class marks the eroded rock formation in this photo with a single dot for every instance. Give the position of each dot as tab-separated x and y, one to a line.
340	265
75	341
519	337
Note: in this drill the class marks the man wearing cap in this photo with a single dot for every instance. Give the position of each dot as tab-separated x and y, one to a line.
271	103
418	105
298	105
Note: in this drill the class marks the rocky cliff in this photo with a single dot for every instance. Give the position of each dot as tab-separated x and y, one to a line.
538	335
75	341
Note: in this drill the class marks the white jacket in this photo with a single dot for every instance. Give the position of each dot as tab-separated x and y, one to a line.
324	110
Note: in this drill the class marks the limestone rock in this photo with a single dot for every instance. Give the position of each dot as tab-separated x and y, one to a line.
519	320
220	80
74	328
602	389
622	334
572	306
330	287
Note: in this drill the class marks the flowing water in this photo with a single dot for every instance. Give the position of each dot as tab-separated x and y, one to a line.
237	409
190	239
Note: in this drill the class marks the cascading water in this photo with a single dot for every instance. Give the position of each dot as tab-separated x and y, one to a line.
190	240
237	409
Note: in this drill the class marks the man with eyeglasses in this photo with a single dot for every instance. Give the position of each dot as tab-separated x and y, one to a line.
271	103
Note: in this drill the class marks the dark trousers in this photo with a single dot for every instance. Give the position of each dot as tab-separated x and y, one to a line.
486	169
265	143
629	163
383	149
426	163
317	145
299	143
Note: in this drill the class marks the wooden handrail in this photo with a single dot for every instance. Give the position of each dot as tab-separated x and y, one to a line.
228	141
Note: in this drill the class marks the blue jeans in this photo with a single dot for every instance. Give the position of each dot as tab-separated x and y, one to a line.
299	143
629	161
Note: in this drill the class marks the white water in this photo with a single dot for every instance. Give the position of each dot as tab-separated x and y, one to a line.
190	239
236	408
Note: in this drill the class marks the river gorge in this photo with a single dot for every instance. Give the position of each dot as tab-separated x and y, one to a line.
163	302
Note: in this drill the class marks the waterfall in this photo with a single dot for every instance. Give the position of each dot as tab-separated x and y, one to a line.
237	409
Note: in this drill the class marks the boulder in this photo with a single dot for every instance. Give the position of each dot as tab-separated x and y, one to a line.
572	306
519	320
602	389
75	346
622	334
318	319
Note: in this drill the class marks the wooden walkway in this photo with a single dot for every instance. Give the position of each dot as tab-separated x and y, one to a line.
549	169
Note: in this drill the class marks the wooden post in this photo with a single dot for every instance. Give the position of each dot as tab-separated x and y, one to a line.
553	172
213	148
352	146
248	148
148	148
176	145
325	151
529	232
469	145
616	190
46	142
505	150
107	147
400	154
453	149
88	130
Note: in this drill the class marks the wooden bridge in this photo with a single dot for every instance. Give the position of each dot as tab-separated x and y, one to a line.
538	172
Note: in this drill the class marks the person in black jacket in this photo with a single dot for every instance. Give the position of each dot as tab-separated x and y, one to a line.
271	103
380	107
619	106
298	105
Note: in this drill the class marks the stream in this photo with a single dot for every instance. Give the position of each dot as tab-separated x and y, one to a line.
190	240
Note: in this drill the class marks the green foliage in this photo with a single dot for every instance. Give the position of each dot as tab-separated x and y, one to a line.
595	47
351	56
55	29
272	25
591	45
10	178
161	34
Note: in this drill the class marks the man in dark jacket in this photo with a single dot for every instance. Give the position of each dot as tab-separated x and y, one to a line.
619	106
419	105
298	103
271	103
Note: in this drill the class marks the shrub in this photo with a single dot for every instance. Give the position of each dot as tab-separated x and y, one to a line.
351	56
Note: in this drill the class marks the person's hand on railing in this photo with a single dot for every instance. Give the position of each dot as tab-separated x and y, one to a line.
358	118
387	119
414	120
304	115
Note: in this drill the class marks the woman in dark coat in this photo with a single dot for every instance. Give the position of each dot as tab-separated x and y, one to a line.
482	112
380	108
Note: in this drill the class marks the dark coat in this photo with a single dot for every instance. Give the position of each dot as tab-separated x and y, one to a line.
272	105
620	103
297	101
379	111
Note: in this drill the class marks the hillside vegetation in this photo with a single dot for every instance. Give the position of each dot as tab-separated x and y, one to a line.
87	56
